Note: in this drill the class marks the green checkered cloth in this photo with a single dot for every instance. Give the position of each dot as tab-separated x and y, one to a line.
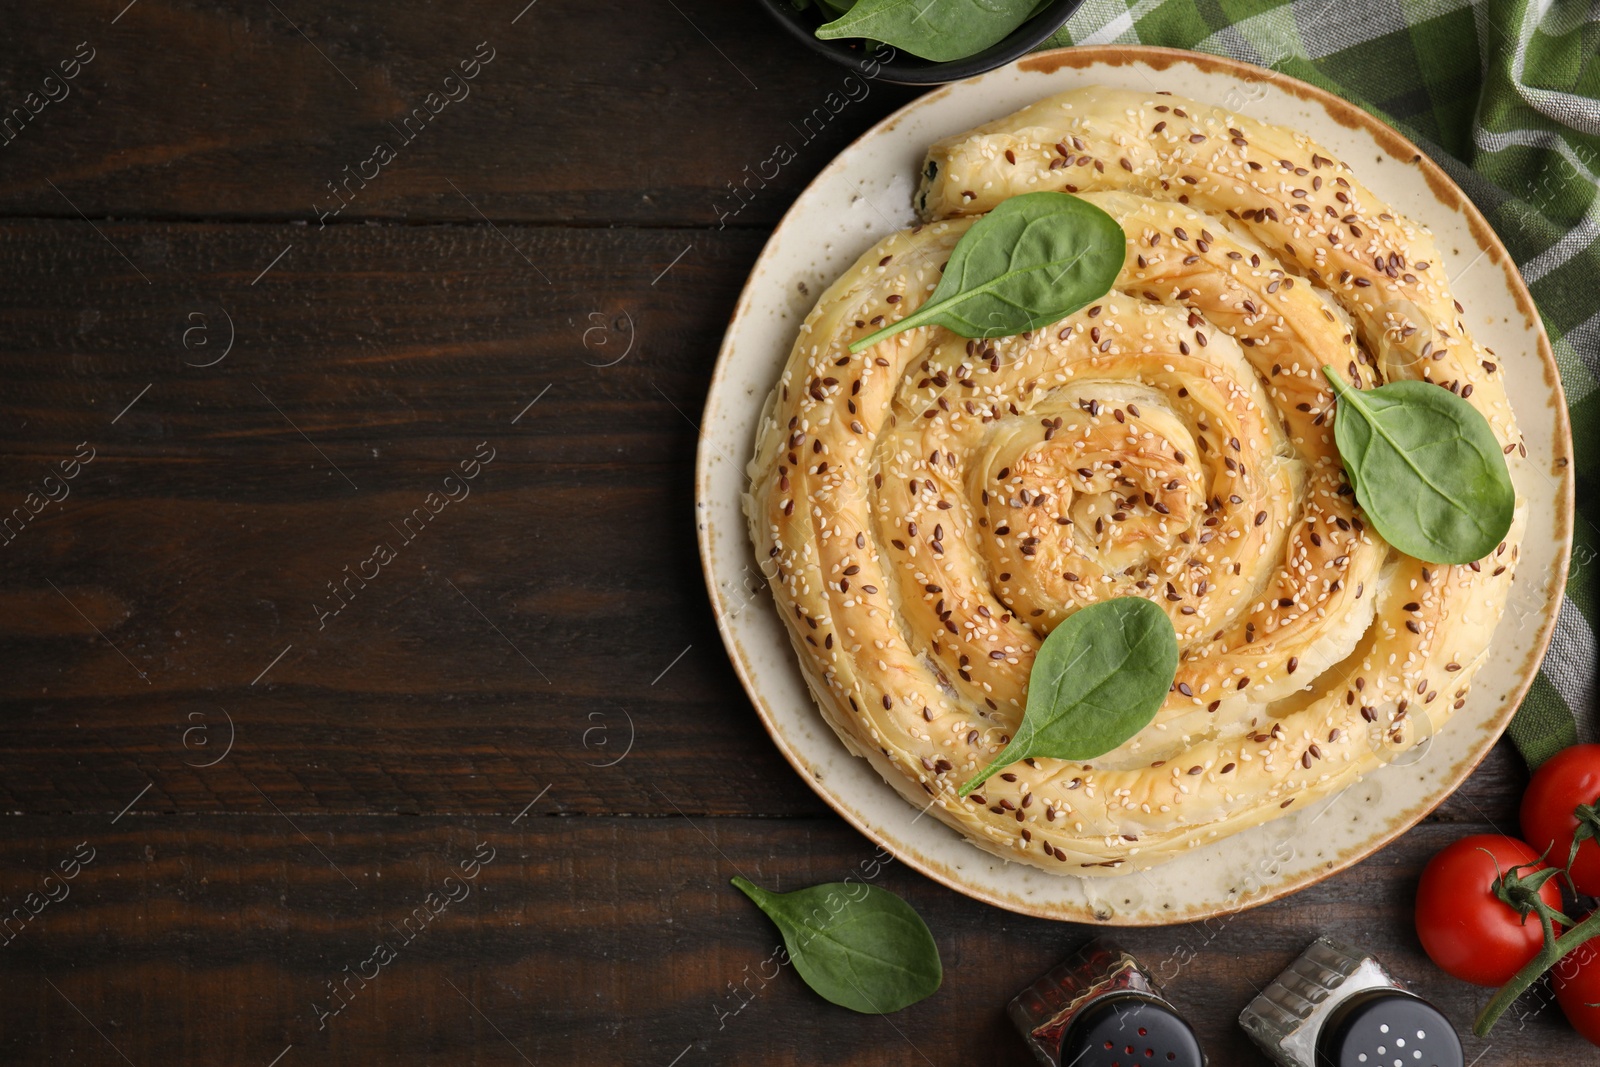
1505	96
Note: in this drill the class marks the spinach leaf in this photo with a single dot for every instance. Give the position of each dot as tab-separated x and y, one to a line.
1099	678
1032	261
939	30
1426	469
858	946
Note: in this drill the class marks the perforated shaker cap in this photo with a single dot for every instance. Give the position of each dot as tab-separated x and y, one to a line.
1130	1030
1388	1028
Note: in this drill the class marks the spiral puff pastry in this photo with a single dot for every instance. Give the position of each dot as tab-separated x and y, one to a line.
930	508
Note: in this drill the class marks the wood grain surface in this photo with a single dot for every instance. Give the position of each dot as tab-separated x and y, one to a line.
275	742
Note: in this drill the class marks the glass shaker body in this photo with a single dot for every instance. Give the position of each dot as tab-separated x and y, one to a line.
1338	1007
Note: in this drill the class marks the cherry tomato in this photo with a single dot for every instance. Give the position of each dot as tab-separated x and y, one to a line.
1465	929
1569	778
1577	981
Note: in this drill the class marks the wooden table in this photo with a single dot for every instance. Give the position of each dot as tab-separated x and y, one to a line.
273	348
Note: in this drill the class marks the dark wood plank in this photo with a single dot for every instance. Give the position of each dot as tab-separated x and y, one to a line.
523	635
583	940
595	112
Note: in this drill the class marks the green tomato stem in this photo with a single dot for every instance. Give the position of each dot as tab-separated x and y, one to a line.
1588	829
1548	957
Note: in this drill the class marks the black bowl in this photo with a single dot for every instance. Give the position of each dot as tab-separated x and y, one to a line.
906	69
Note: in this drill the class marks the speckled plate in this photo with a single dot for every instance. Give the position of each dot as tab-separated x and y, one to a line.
865	194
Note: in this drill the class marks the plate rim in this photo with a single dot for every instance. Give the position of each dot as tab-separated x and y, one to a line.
1399	147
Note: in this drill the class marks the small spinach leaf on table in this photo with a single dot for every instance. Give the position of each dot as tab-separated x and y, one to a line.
858	946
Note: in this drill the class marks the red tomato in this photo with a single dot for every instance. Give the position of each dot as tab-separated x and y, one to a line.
1468	931
1577	981
1567	779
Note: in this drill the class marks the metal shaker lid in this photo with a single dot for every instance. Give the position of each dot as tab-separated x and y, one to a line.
1388	1028
1130	1030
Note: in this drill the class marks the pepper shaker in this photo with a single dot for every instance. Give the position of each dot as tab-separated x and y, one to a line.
1338	1007
1099	1008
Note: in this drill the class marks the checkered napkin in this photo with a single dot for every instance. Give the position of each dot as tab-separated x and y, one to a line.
1505	96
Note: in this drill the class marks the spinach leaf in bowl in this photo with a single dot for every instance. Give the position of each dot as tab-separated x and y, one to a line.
937	30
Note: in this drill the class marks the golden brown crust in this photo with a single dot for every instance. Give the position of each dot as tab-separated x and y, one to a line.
930	508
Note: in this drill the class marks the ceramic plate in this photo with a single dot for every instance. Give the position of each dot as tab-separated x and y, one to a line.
864	195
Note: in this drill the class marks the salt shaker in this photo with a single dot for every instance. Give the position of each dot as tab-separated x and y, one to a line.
1099	1008
1337	1007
